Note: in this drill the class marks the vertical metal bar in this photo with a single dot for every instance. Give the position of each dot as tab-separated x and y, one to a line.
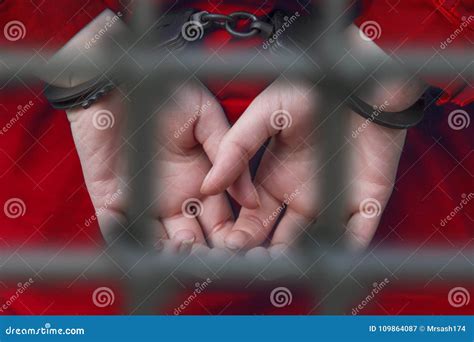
329	228
140	132
144	96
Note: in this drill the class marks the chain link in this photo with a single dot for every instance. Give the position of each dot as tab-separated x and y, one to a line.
229	23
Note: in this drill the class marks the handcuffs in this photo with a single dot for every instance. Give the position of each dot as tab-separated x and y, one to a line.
182	28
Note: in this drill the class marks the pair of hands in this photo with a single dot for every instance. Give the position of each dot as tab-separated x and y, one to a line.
200	160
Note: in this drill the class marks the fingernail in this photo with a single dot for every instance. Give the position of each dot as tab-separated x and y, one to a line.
186	245
257	198
277	251
159	245
237	240
206	180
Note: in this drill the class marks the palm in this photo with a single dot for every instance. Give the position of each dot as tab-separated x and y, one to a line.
289	174
193	118
189	129
293	161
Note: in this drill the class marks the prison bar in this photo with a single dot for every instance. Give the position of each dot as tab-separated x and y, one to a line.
150	272
327	269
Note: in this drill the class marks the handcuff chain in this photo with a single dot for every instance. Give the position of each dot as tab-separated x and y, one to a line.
228	22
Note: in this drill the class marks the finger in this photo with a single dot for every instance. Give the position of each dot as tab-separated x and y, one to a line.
291	228
254	225
283	254
360	230
258	255
278	251
185	239
209	131
183	229
112	224
216	219
174	248
239	145
159	235
244	192
220	255
200	250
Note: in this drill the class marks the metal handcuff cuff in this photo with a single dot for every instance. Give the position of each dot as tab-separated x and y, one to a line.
179	29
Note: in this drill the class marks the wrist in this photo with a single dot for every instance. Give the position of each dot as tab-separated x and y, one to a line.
397	91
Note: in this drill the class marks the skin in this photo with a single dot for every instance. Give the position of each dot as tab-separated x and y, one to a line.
291	165
293	158
289	171
181	162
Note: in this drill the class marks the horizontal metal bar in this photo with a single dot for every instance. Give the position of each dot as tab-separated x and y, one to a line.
407	265
248	64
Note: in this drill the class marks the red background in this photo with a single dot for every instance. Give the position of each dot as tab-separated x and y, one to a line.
39	164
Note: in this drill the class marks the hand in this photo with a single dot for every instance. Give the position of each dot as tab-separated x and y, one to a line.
189	130
289	176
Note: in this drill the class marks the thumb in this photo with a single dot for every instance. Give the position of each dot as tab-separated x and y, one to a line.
259	122
210	130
